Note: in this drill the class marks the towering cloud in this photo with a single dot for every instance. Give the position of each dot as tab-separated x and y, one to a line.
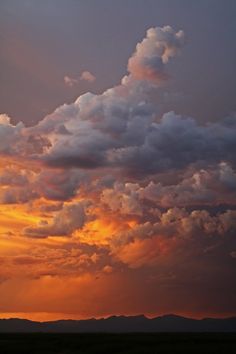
155	50
121	129
106	194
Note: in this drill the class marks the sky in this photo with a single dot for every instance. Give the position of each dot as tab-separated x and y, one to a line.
117	158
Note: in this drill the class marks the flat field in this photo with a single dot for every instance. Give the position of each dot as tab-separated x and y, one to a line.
144	343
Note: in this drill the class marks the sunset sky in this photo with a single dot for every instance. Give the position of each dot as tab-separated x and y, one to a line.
117	158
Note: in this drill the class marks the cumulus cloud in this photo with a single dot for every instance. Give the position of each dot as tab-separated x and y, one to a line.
16	184
70	218
11	177
202	188
58	184
176	142
122	199
187	233
14	195
70	81
108	269
161	189
119	128
151	55
73	81
87	76
4	119
10	135
120	134
143	147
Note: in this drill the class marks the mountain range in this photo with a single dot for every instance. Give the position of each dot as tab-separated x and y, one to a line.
121	324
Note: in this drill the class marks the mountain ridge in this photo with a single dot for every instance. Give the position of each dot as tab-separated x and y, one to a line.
121	324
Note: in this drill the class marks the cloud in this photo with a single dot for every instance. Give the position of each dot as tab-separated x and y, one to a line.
4	119
10	135
58	184
85	76
16	195
69	81
122	199
177	232
120	128
16	184
204	187
151	55
113	131
176	142
108	269
70	218
136	196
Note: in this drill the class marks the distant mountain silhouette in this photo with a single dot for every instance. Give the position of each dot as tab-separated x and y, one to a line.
118	324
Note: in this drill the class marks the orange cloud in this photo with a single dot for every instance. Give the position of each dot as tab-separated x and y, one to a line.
105	209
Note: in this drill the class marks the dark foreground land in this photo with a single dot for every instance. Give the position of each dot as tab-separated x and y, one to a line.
156	343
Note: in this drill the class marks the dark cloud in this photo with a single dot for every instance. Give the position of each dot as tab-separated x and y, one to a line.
205	186
58	184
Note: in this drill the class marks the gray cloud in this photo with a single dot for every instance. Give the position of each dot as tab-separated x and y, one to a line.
132	140
70	218
119	128
212	186
10	135
177	234
58	184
